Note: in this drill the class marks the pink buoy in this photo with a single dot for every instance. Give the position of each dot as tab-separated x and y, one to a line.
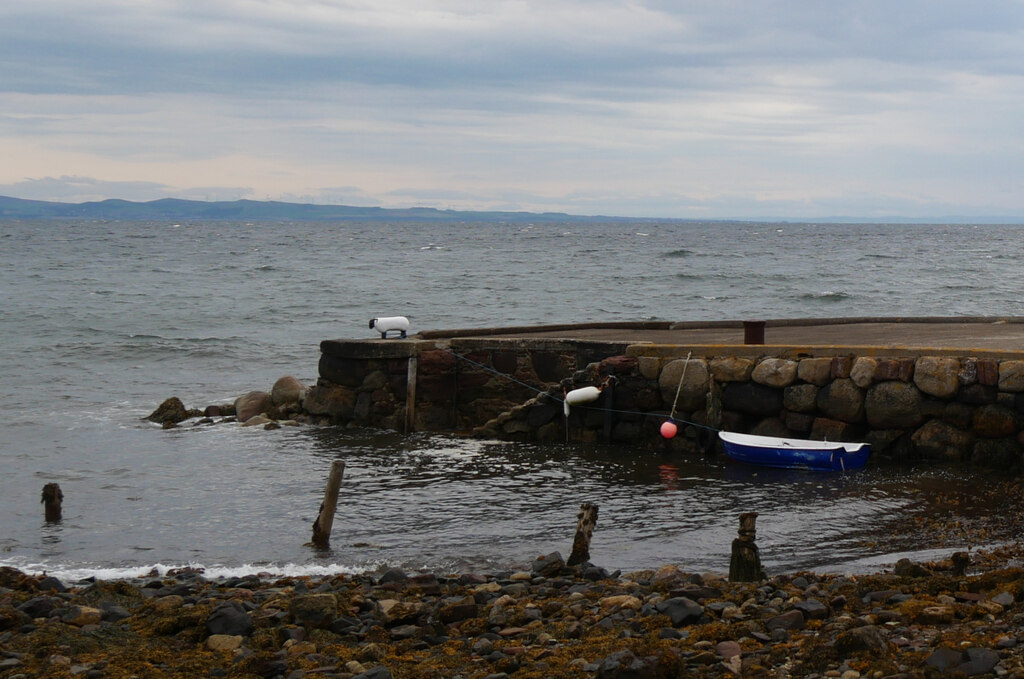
669	429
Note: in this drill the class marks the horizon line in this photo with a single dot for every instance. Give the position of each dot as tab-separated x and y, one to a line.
1002	220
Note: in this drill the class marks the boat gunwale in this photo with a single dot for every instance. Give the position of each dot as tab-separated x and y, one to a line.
777	442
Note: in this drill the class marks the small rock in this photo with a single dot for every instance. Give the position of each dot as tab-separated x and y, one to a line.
394	611
789	620
622	665
171	411
404	632
223	642
1006	642
812	609
80	616
979	661
622	601
549	565
378	672
681	611
39	607
230	618
728	649
393	576
908	569
255	421
50	583
355	667
944	659
114	613
456	612
935	615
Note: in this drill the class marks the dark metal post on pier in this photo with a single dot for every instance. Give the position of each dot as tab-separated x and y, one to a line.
753	332
325	519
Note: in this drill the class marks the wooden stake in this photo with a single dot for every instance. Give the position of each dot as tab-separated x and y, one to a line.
609	399
585	522
325	519
410	395
961	560
52	499
714	405
745	564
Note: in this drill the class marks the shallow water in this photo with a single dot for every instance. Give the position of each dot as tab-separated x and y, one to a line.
102	321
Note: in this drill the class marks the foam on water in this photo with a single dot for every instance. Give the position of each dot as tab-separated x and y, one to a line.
74	574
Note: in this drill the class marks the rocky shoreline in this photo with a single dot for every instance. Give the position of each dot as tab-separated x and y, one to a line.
918	620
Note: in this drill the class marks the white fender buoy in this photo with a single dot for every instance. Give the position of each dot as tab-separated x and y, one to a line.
387	324
580	396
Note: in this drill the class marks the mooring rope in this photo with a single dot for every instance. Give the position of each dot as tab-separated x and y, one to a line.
679	388
544	392
499	373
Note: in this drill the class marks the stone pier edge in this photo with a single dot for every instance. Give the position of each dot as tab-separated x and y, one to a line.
367	381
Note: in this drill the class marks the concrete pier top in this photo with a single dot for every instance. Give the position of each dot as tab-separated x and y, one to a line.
973	334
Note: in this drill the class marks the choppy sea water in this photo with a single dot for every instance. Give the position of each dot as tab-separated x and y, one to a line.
100	321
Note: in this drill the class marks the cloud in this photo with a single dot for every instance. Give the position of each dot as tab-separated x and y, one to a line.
615	106
75	189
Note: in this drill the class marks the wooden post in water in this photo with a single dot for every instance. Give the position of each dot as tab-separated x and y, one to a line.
585	522
745	564
52	499
961	560
713	412
325	519
713	407
609	399
410	395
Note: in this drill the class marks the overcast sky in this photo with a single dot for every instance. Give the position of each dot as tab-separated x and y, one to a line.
648	108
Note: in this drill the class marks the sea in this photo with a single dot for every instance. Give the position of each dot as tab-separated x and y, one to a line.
100	321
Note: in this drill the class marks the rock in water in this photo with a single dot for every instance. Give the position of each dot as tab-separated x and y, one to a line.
252	404
172	410
287	390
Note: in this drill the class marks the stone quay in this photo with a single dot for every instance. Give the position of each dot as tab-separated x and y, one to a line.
948	389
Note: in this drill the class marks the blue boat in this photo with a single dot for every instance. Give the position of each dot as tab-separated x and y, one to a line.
770	451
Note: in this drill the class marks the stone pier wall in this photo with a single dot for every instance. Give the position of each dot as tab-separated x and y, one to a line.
908	404
460	384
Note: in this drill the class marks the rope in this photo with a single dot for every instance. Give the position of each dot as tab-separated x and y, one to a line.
671	416
680	387
500	374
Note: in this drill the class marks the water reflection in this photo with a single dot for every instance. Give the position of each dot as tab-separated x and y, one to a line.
429	499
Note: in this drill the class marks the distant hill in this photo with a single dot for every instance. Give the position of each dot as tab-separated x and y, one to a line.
176	209
256	210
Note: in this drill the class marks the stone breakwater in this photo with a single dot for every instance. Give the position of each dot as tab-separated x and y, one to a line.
917	621
908	405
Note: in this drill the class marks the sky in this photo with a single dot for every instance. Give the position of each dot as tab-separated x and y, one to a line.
642	108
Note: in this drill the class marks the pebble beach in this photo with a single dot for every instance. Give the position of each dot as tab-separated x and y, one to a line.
915	620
